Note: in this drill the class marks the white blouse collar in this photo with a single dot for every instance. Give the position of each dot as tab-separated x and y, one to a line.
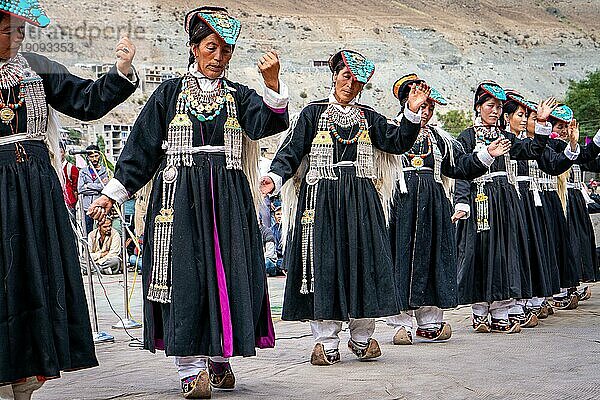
344	109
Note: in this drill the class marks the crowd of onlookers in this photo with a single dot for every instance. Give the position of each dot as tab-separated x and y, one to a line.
270	227
84	185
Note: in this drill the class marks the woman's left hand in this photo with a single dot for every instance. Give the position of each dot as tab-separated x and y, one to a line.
499	147
419	93
573	132
125	51
269	66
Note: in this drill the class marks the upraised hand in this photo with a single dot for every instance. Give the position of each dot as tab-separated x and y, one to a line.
499	147
419	93
269	67
545	108
573	133
125	51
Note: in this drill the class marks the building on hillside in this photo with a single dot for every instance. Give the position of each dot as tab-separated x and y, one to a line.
114	136
154	75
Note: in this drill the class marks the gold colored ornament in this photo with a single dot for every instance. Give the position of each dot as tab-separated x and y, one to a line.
7	115
417	162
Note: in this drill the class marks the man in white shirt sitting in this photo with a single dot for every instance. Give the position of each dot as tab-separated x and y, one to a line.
105	248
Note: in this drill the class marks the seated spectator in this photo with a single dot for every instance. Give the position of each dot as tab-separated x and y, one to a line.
105	248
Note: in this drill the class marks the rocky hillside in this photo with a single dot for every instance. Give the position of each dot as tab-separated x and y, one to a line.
453	44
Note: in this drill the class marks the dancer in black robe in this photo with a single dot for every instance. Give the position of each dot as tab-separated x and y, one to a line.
421	230
493	260
338	254
44	319
544	214
578	244
205	288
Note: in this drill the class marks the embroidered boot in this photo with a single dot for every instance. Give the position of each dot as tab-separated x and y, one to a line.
402	336
196	387
221	375
365	351
505	326
444	332
481	324
320	356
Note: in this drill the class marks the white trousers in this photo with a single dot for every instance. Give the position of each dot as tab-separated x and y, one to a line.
327	332
518	307
498	309
20	391
535	302
192	365
427	317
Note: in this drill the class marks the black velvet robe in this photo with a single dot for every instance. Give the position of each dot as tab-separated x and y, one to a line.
578	244
421	231
493	265
44	320
191	323
543	257
352	261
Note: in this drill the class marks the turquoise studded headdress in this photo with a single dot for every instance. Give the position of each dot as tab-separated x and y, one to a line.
401	89
517	97
360	67
28	10
531	105
218	20
562	113
491	88
437	97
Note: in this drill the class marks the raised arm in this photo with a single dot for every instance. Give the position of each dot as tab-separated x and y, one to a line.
396	137
79	98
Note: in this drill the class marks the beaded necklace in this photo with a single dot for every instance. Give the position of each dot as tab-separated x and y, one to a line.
486	136
332	121
342	119
204	106
416	160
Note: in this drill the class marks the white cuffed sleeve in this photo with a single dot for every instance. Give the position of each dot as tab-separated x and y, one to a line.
415	118
572	155
276	101
463	207
485	157
544	130
277	180
116	191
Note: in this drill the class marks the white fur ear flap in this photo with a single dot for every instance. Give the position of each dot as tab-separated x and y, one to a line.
402	182
537	200
52	142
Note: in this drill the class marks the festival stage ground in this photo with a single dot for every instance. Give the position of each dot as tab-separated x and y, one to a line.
557	360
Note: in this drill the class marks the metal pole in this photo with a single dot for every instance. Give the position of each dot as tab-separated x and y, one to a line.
98	336
127	322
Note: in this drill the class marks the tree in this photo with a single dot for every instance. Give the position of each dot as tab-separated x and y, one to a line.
455	121
74	136
100	143
584	98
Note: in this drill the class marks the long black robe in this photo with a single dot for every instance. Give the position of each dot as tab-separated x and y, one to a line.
543	257
578	244
191	323
422	235
352	262
44	320
493	265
